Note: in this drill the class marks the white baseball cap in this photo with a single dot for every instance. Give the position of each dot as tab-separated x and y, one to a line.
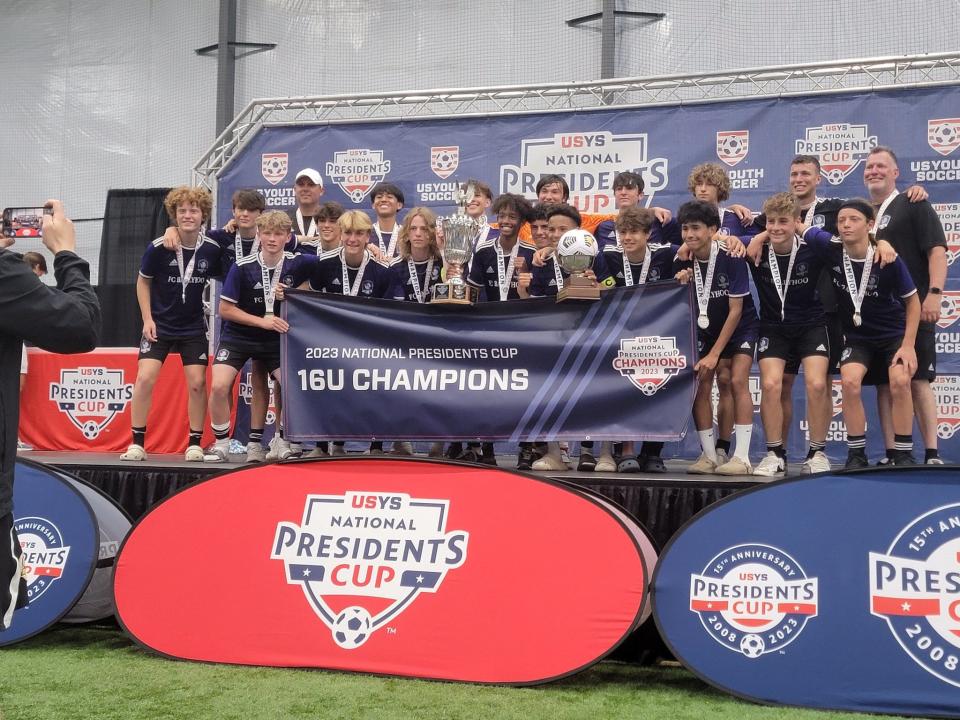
312	174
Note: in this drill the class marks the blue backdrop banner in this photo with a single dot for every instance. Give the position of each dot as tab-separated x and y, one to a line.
617	368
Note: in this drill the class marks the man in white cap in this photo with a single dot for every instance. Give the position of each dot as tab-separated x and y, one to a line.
308	188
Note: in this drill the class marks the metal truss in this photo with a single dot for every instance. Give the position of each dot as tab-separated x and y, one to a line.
787	80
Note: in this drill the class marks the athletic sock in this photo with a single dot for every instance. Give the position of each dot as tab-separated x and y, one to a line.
723	445
140	436
743	433
256	435
195	437
930	453
903	443
587	445
858	444
777	449
221	432
890	453
815	446
706	442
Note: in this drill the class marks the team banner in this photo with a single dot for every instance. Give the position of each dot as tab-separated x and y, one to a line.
834	592
617	368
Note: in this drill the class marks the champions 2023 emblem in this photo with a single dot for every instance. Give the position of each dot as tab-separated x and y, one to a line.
363	557
649	362
753	599
92	396
44	554
915	587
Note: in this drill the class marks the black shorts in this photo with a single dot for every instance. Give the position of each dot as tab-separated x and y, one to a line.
926	349
793	343
235	353
875	355
744	344
192	350
13	595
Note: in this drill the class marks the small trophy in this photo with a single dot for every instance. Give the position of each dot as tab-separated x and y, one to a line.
459	233
575	254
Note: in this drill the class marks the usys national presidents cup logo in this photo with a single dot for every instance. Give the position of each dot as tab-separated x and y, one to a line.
753	599
361	558
91	397
44	554
915	587
649	362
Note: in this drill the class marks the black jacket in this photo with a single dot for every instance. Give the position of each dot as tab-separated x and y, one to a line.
65	320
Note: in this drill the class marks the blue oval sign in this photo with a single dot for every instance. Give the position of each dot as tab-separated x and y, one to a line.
832	591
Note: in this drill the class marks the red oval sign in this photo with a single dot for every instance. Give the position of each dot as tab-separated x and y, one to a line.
404	567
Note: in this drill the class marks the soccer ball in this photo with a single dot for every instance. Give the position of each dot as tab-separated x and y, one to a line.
446	160
352	628
834	177
90	430
577	242
752	646
944	134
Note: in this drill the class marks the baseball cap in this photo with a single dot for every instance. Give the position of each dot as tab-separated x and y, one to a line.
312	174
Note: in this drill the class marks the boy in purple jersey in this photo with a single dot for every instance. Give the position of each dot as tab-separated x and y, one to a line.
170	295
727	335
328	231
387	201
880	312
627	193
548	279
497	261
636	261
249	306
418	265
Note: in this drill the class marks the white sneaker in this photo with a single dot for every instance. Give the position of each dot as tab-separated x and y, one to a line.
436	450
605	463
703	466
296	450
255	453
934	461
771	466
284	451
194	453
818	463
722	457
734	466
134	453
403	448
316	452
552	461
217	453
236	447
272	448
338	451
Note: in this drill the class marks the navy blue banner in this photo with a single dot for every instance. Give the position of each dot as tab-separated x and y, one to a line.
617	368
835	591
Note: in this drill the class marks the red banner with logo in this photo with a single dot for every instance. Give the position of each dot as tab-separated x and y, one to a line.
82	402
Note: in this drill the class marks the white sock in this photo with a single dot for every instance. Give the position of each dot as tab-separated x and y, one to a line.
553	449
742	434
706	442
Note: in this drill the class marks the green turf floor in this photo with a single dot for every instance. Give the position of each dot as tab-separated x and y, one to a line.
96	672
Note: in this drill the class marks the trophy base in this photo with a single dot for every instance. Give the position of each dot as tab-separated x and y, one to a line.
454	294
579	293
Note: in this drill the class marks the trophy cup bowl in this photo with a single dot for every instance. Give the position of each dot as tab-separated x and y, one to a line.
576	252
459	232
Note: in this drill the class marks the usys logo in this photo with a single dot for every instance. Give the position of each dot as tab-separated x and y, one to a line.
44	554
915	587
946	391
753	599
732	145
273	167
91	397
444	160
356	171
949	308
841	147
362	557
943	135
588	161
949	214
649	362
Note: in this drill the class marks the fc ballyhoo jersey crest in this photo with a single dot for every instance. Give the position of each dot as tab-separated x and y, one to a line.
946	392
915	588
356	171
91	397
44	554
444	160
273	167
649	362
732	145
840	147
754	599
362	557
943	135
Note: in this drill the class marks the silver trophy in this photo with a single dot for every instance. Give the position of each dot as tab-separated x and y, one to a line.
459	233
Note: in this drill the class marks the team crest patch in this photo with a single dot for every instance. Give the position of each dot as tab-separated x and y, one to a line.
44	556
847	352
222	354
754	599
444	160
203	265
732	145
840	147
649	362
361	558
914	588
92	396
819	221
884	221
764	344
943	135
356	171
145	345
367	287
273	167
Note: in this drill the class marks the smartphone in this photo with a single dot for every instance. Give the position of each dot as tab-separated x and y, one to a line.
24	222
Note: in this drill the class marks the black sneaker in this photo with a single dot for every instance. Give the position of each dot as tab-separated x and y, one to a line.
487	459
855	461
469	456
587	461
904	458
454	451
651	464
525	459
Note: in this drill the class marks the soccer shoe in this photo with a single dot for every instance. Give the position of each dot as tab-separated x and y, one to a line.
338	451
284	451
734	466
436	450
296	450
375	449
855	461
194	453
771	466
21	445
403	448
525	459
487	459
817	463
587	462
316	452
703	466
551	462
722	457
469	455
272	448
134	453
903	458
629	465
934	461
454	450
236	447
255	453
651	464
606	463
216	453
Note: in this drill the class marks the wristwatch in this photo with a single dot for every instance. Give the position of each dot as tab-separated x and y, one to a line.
935	291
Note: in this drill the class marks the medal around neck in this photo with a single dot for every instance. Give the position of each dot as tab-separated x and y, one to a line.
459	232
575	254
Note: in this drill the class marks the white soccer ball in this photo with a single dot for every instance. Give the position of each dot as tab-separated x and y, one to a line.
352	627
945	134
91	430
752	646
731	146
577	242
